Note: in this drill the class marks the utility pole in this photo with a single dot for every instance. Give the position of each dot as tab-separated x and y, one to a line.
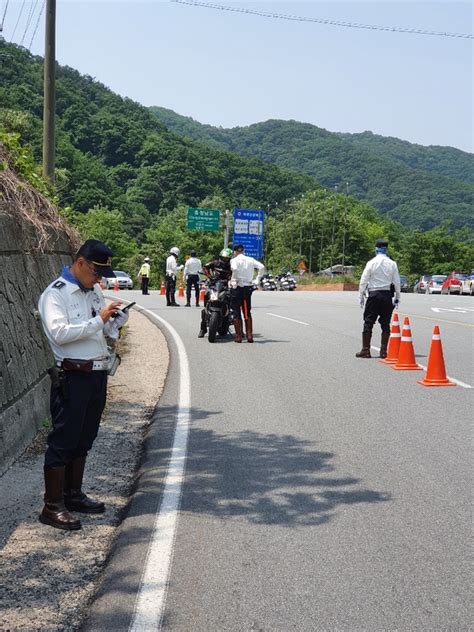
226	228
333	225
344	230
322	234
49	107
311	240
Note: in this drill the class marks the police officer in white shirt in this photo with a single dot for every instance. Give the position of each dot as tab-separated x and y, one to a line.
192	268
382	281
76	321
171	268
241	285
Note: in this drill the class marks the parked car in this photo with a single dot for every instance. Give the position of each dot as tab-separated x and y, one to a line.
404	284
421	284
453	283
468	285
124	281
436	283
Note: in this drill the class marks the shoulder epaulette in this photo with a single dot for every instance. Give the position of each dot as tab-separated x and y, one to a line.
59	284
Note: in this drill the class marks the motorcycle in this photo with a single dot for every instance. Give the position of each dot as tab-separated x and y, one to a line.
268	283
286	281
217	309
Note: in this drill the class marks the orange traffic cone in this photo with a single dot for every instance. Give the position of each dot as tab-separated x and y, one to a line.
436	371
406	355
181	290
202	294
116	286
394	342
162	289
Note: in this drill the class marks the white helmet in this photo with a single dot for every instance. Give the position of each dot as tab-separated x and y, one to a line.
174	251
146	259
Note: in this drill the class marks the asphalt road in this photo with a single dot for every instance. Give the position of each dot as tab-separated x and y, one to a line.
320	491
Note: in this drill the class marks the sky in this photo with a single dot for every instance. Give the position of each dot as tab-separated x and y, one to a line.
233	69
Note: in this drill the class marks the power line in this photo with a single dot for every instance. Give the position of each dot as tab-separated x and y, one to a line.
18	20
37	24
296	18
28	21
4	14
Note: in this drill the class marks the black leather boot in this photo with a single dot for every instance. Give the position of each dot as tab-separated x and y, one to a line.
384	343
74	497
365	351
54	511
249	329
238	330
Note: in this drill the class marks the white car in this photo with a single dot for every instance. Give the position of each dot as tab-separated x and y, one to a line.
435	283
122	278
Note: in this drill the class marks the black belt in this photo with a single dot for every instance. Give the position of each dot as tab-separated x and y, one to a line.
376	291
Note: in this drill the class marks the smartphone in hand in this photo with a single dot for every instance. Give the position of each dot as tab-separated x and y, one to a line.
127	307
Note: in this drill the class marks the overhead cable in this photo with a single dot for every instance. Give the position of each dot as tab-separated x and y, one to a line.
28	20
4	14
18	20
296	18
37	24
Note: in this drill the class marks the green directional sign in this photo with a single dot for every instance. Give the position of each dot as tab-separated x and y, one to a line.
203	219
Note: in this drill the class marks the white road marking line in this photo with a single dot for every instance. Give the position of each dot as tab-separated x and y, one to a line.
151	597
458	382
285	318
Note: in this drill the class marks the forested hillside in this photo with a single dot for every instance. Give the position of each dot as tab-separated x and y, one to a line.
418	186
123	177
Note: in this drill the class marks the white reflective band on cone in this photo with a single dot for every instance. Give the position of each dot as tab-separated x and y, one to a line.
406	339
436	337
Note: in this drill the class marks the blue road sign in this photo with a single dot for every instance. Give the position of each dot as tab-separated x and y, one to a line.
248	231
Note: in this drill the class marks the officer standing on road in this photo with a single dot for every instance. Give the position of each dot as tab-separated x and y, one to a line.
192	268
76	321
381	279
144	275
241	285
171	268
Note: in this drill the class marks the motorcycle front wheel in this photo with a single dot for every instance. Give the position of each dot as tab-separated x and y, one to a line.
213	325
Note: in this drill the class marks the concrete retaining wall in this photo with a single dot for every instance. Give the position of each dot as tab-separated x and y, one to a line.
24	353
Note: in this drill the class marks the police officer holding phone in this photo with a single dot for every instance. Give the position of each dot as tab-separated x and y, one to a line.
76	322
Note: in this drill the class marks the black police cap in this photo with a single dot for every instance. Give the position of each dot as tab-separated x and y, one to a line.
238	248
381	243
99	254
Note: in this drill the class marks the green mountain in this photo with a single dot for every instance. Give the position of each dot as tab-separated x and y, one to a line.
114	152
418	186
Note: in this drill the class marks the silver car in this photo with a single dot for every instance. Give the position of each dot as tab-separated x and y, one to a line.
121	278
435	284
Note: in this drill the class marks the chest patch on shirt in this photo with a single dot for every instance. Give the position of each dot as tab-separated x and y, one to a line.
59	284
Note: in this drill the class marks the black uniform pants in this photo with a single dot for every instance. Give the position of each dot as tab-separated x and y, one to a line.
145	281
192	282
241	299
170	289
379	305
76	416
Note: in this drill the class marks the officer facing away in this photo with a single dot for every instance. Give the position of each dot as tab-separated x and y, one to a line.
192	268
144	275
241	290
382	280
171	268
76	321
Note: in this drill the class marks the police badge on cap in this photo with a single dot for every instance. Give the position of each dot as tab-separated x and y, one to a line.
99	255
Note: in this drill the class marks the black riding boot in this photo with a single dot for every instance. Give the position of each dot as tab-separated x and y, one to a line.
365	351
384	344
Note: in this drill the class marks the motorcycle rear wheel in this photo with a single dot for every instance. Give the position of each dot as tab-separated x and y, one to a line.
213	324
